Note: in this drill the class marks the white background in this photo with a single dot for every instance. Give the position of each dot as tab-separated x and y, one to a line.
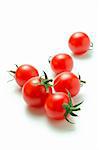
30	32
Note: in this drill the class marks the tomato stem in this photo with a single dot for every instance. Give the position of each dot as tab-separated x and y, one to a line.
65	116
72	114
75	109
70	108
91	44
45	82
49	59
48	80
11	71
45	75
78	104
16	66
81	81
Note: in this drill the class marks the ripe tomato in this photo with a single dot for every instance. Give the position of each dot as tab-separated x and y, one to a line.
53	105
35	91
79	43
61	62
59	106
24	73
67	81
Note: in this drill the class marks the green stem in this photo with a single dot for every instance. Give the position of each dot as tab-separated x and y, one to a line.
83	81
46	77
75	109
70	108
47	81
11	71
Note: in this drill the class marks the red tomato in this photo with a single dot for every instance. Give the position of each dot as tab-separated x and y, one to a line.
35	92
53	105
61	62
59	106
67	81
24	73
79	43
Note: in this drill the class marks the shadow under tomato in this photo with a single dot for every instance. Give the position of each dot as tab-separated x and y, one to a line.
87	55
37	112
18	90
79	98
61	125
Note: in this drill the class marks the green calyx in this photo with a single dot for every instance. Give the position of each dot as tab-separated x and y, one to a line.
70	108
45	81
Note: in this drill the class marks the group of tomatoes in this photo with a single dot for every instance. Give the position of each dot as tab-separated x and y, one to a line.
55	95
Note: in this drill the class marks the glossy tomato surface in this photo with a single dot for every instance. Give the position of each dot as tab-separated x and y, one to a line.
61	62
34	93
79	43
54	105
24	73
67	81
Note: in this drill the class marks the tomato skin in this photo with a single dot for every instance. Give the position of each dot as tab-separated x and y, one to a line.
79	43
34	93
69	81
24	73
61	62
53	105
48	92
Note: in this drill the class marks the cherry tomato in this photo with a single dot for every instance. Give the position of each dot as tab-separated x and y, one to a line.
79	43
61	62
24	73
35	92
53	105
67	81
59	106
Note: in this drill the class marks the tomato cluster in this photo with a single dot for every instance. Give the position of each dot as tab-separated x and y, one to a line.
55	95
